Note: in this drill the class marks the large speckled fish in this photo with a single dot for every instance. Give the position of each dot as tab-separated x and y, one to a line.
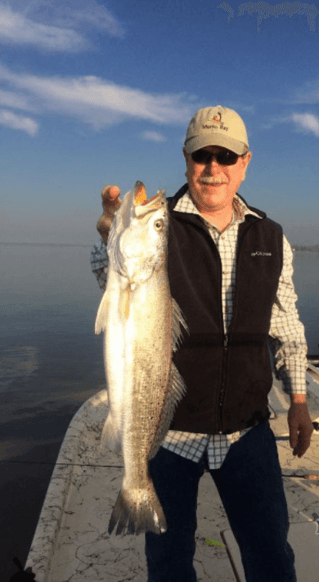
142	327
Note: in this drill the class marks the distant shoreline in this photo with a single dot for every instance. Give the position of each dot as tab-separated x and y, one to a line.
45	244
313	248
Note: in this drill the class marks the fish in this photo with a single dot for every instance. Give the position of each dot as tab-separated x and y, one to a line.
142	325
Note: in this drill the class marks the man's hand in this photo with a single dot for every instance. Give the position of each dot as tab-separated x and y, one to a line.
110	203
300	428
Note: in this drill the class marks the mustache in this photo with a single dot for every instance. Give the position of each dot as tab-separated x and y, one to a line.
214	180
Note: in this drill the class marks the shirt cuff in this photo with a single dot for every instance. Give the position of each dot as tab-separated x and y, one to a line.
294	380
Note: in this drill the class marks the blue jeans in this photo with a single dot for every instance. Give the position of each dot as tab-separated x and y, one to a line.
250	486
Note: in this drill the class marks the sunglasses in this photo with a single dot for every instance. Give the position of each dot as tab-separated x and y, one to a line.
224	158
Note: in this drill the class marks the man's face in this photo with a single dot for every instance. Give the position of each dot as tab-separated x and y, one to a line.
213	186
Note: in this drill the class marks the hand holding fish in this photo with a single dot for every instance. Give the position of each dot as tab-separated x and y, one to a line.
110	203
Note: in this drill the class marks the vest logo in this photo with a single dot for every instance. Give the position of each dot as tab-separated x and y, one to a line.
260	254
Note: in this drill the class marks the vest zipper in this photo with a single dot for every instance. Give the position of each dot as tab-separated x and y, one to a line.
223	383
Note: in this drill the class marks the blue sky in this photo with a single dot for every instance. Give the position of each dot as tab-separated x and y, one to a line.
96	92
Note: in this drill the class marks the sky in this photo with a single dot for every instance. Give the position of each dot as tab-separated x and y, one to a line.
96	92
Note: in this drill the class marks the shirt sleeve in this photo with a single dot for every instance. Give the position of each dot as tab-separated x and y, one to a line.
99	264
287	339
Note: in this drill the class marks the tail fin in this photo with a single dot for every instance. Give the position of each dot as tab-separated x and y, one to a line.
138	511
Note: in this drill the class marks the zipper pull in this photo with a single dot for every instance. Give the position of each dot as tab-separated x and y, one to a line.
225	342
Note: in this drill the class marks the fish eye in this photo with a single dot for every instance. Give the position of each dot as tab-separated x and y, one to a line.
159	224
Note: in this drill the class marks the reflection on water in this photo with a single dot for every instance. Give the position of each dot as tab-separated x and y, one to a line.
17	362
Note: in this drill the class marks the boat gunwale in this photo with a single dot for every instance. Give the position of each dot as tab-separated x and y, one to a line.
44	540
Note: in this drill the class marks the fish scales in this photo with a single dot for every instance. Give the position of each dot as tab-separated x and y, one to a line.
142	328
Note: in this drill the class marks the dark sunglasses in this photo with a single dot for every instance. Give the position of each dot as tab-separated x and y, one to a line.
224	158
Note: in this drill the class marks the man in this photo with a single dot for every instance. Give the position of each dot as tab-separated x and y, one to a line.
230	271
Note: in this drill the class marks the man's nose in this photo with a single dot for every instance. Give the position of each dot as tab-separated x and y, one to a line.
212	162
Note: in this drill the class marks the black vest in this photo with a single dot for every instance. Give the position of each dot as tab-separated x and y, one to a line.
227	378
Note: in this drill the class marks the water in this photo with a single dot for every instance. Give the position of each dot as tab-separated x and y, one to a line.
51	362
306	279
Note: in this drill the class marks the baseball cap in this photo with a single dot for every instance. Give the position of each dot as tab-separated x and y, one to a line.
218	126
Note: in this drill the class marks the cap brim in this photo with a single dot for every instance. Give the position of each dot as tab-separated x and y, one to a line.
224	141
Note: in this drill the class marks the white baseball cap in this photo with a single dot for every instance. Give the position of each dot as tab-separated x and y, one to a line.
218	126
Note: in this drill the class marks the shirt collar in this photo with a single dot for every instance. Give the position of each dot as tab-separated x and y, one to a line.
240	209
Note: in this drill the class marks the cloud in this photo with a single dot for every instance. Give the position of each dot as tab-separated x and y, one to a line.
95	16
153	136
17	29
55	26
95	101
249	109
309	94
274	120
15	121
307	121
15	101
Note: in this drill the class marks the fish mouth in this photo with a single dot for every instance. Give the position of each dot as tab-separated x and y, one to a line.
140	196
142	205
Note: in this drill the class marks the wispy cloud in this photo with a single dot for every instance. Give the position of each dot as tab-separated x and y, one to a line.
15	121
15	101
94	16
17	29
153	136
250	109
94	100
307	122
274	120
55	26
309	93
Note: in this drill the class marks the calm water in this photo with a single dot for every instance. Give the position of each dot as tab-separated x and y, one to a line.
50	359
306	278
51	362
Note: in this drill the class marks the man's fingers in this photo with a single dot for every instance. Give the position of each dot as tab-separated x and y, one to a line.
114	192
293	436
300	449
301	445
109	194
110	203
103	225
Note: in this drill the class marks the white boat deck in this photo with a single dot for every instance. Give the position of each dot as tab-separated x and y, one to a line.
71	543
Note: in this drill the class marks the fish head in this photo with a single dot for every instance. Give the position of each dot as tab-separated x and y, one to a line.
140	242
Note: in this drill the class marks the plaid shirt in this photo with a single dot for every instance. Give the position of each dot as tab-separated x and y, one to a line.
287	341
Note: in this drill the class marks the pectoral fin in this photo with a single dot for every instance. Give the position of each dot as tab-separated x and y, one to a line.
100	321
124	304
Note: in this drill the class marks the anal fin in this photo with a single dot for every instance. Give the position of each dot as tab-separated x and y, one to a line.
178	322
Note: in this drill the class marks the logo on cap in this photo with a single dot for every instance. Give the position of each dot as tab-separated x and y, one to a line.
217	118
219	123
